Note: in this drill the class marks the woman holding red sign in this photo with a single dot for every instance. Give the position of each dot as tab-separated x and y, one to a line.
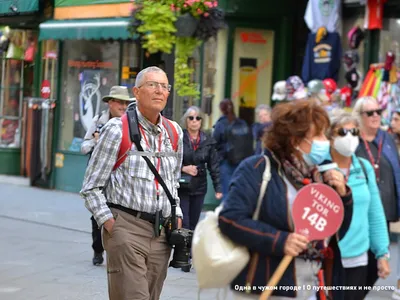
379	148
368	229
296	145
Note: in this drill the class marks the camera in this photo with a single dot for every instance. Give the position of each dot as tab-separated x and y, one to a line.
181	240
98	128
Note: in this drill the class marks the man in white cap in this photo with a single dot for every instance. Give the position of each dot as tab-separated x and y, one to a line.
117	100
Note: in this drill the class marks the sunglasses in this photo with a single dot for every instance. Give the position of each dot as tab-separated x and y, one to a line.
344	131
191	118
370	113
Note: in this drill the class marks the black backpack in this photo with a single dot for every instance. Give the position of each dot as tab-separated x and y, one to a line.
239	142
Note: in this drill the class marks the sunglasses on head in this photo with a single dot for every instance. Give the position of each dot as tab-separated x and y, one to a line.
370	113
191	118
344	131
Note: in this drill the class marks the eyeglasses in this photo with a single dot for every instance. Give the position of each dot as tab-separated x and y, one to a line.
154	85
344	131
191	118
370	113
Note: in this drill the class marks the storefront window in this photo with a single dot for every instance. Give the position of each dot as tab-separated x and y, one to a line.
17	53
130	64
90	69
183	103
209	78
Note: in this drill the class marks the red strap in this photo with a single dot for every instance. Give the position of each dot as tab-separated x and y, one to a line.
172	133
126	143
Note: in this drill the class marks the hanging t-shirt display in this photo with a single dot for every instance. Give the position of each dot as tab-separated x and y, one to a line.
374	14
322	13
322	60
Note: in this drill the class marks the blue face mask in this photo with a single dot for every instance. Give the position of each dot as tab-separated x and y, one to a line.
319	152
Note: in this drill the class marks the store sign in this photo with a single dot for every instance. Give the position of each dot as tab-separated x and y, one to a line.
129	73
45	90
317	211
252	38
59	3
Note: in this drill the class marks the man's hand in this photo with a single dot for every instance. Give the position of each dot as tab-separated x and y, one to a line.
179	223
295	244
109	224
96	136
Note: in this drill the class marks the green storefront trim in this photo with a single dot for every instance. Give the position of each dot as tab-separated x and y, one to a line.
87	29
11	7
10	161
61	3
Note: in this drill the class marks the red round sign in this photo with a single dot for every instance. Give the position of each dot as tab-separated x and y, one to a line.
317	211
45	89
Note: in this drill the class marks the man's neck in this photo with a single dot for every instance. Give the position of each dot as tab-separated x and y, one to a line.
342	161
150	116
369	134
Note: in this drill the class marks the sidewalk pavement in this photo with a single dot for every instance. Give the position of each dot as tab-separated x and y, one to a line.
46	251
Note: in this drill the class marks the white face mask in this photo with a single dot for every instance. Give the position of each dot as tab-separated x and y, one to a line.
346	145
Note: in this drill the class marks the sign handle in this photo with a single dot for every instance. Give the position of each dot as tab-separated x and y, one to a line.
276	276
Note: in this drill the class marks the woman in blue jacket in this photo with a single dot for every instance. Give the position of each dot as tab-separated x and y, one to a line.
295	144
379	148
368	229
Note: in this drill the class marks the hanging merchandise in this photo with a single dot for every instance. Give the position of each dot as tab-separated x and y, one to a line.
385	90
295	89
374	14
355	36
353	75
279	91
322	56
322	13
346	94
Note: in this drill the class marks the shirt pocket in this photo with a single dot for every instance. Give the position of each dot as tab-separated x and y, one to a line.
139	170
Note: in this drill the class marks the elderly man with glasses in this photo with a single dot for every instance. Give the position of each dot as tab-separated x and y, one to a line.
127	200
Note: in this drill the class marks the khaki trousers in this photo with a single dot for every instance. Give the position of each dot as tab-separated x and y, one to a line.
137	262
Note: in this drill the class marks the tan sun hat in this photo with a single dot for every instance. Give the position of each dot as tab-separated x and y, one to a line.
119	93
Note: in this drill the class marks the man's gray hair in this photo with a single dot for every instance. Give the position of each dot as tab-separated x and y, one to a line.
140	75
191	109
340	118
261	107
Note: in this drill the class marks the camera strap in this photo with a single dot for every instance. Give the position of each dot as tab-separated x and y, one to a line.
131	112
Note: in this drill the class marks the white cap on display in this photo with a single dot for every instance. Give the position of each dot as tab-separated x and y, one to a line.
279	91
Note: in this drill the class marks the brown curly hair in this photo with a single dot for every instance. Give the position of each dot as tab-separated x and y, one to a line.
290	124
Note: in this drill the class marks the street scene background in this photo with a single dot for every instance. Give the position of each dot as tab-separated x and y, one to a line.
46	251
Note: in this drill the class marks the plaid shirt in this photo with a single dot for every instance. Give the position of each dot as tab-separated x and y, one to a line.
132	185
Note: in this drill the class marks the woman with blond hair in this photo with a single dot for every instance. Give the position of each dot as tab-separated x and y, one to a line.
368	225
379	148
199	155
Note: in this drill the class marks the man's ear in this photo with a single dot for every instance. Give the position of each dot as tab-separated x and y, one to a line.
135	92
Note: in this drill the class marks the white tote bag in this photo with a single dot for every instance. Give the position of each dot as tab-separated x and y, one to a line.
216	259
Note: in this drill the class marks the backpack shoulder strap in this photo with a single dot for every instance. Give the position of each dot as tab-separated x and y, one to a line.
125	145
172	132
363	168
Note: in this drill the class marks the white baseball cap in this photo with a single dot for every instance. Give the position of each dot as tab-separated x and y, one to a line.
279	91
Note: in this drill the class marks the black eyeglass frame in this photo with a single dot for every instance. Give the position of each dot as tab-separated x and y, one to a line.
344	131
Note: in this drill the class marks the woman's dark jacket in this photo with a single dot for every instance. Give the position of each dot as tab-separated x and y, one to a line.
206	154
266	238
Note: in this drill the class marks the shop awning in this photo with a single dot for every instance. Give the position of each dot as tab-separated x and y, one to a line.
87	29
12	7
